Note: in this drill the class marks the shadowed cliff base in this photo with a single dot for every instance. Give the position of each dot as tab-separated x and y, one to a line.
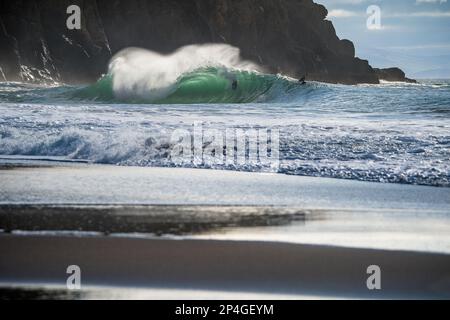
291	37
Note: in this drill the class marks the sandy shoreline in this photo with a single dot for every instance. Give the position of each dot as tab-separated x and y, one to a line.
39	195
224	265
107	184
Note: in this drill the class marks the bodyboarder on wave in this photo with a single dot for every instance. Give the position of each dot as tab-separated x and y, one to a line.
302	80
234	84
230	77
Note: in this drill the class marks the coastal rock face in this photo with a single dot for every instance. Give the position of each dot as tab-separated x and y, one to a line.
290	37
393	74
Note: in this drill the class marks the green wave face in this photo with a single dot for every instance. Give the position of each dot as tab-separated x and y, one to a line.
101	91
204	85
212	85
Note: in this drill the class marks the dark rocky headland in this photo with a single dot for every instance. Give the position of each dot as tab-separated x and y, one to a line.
291	37
393	74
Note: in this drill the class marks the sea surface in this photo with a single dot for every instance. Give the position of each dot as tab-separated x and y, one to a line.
390	133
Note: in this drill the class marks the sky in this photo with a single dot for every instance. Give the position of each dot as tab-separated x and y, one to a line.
412	34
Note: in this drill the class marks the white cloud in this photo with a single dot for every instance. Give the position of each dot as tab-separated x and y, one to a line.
421	14
353	2
340	13
430	1
444	46
385	27
350	1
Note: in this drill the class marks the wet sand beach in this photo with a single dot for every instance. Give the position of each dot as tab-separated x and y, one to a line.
170	230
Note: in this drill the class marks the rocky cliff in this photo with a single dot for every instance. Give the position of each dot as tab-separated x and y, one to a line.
291	37
393	74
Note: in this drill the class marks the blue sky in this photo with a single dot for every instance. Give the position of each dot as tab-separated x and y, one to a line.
414	34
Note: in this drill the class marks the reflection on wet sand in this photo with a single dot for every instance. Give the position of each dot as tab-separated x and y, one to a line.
155	219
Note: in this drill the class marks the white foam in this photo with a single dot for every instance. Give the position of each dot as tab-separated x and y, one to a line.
145	74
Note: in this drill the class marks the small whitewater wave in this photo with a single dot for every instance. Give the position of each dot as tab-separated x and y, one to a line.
368	154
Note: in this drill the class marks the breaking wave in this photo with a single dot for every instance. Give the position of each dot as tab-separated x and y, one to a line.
203	85
392	132
194	74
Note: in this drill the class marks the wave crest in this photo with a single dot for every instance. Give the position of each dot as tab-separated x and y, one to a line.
192	74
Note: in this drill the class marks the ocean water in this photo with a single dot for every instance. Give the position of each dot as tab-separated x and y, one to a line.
391	132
